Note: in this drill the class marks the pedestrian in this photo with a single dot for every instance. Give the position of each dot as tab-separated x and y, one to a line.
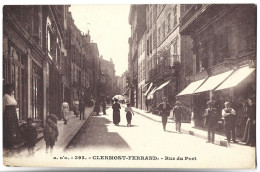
76	107
229	114
250	130
104	107
129	113
96	108
116	112
30	136
50	133
81	109
178	113
211	116
164	111
10	120
65	111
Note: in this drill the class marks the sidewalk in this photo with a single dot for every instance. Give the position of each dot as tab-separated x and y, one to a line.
185	127
66	133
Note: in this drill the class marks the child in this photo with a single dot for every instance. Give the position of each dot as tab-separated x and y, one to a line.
30	136
129	113
50	132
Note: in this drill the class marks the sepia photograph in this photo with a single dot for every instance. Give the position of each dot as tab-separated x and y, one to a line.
132	86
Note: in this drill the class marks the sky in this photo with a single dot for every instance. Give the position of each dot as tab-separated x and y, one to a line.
109	28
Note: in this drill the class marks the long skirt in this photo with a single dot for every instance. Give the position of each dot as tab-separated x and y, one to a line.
116	117
66	113
10	127
128	117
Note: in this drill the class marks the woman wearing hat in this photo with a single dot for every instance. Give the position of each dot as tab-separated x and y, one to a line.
178	112
164	111
116	112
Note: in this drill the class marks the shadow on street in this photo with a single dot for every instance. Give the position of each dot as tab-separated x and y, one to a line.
96	135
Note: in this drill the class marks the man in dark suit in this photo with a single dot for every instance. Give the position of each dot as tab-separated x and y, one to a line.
211	121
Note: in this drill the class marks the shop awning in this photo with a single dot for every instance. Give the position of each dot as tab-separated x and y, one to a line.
163	85
150	95
191	87
212	82
145	94
145	85
236	78
125	92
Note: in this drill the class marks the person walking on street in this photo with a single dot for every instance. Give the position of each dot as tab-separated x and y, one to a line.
116	112
104	107
65	111
81	109
211	121
178	112
76	107
164	111
229	114
30	136
129	113
50	133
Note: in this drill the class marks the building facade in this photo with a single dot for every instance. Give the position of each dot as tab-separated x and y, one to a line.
107	85
223	48
137	17
45	57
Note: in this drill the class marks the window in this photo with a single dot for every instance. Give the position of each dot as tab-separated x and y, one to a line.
154	13
154	38
169	22
151	19
163	29
151	41
14	73
144	70
147	47
174	15
148	22
159	35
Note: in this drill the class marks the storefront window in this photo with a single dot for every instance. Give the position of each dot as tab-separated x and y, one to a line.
14	74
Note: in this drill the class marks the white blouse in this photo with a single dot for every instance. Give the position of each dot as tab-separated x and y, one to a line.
9	100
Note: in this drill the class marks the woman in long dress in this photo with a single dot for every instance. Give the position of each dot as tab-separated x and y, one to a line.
116	112
65	112
10	120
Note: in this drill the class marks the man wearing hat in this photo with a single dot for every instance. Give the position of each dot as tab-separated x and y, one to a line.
211	116
164	111
178	112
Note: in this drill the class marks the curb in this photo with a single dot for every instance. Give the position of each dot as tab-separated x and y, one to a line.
74	138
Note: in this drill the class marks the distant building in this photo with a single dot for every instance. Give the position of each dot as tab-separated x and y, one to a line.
106	86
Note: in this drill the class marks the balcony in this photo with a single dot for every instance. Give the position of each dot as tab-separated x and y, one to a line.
199	15
164	69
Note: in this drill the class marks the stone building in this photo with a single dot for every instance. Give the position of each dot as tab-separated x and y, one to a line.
223	55
45	58
107	83
137	17
35	58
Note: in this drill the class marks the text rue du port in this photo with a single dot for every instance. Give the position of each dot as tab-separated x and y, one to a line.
181	158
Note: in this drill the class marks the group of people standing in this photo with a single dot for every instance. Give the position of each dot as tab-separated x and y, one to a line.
228	115
96	109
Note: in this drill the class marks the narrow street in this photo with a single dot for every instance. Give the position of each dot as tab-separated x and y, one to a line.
146	138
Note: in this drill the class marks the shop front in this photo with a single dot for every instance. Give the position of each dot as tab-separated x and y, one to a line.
234	86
